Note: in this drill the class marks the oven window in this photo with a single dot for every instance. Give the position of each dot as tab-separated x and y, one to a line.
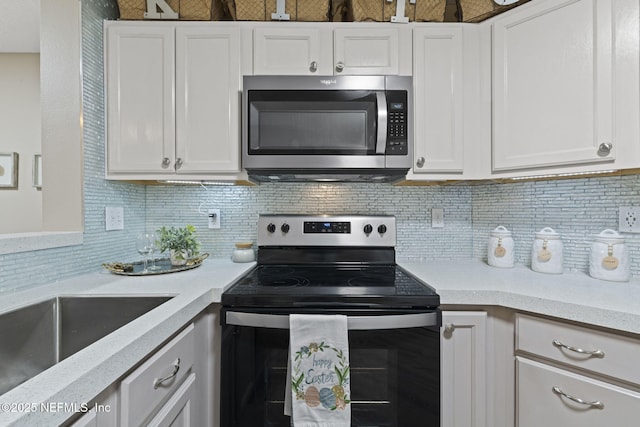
312	122
395	377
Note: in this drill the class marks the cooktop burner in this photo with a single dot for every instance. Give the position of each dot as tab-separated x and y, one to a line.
271	286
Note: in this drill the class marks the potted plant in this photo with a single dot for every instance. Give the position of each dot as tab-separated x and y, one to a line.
181	242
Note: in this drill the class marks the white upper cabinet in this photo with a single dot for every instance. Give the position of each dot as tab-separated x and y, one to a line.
553	68
331	49
140	105
438	99
280	50
172	100
207	99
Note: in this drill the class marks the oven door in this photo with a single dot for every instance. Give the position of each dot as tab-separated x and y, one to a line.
394	366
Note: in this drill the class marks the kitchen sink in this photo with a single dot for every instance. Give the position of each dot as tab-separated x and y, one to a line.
40	335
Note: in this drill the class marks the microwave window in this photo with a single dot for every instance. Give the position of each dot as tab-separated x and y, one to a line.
312	122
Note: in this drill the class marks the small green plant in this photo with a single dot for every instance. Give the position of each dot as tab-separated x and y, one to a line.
179	239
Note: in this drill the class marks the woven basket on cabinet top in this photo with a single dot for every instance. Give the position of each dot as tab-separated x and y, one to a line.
382	10
188	10
261	10
479	10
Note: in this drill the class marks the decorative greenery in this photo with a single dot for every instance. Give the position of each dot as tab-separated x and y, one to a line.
179	239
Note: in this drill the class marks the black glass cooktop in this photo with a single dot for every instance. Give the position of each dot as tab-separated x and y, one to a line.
385	286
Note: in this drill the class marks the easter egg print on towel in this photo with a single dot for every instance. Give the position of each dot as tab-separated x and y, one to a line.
320	392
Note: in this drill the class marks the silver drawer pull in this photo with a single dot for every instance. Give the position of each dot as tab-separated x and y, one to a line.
176	367
595	404
594	353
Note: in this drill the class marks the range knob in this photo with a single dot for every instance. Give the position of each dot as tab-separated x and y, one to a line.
271	228
382	229
285	228
368	229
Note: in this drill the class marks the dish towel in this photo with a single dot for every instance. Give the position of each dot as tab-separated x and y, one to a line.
318	377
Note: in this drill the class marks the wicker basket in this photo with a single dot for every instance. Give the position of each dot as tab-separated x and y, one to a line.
261	10
382	10
188	10
479	10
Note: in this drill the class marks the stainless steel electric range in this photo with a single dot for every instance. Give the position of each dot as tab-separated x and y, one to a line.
331	265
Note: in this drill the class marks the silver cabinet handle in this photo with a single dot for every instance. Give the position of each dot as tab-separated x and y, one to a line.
158	381
360	323
313	67
594	404
593	353
178	163
339	67
420	162
166	162
449	328
604	149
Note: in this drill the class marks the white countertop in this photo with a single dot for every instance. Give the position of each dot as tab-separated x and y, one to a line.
570	296
81	377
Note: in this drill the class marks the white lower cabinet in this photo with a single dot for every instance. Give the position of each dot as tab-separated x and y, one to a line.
570	375
548	396
463	381
177	411
159	380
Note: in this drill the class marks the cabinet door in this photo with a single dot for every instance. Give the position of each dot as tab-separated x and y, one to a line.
552	85
178	410
366	51
140	105
541	402
207	101
292	51
463	369
437	82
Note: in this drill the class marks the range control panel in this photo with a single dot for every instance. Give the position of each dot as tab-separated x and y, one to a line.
327	230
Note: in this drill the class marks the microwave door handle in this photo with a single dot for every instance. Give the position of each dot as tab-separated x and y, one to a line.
354	323
381	142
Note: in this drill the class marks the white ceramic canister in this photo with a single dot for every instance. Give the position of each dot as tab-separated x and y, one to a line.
609	258
500	251
243	252
547	252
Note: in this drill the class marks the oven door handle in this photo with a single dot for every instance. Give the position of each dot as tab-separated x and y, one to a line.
354	323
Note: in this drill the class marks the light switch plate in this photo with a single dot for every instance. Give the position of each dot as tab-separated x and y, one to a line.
437	218
114	218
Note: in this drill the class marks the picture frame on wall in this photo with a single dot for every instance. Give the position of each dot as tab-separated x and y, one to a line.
8	171
37	171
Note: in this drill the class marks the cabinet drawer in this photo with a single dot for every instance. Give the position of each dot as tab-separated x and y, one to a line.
545	338
141	392
539	405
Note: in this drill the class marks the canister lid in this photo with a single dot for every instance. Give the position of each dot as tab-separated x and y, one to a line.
244	245
547	233
500	231
609	236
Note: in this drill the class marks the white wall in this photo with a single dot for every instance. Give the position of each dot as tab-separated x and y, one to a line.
21	210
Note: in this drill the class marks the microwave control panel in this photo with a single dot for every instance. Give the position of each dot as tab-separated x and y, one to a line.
396	122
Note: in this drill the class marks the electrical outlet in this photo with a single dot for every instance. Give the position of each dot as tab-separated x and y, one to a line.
114	218
629	219
437	218
214	218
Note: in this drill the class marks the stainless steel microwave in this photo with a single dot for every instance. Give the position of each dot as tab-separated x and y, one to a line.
327	128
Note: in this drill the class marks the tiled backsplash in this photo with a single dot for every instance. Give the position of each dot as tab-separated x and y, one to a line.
576	208
240	207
